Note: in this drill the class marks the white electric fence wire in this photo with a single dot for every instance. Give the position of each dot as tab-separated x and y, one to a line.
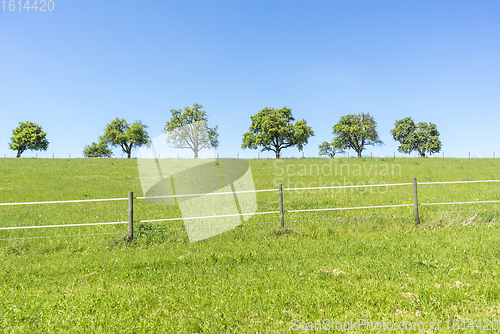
63	225
63	236
125	199
136	221
217	216
351	208
452	182
69	201
389	206
245	214
182	228
210	194
453	203
353	186
240	192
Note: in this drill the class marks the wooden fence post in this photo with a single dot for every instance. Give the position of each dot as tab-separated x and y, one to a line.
415	201
130	215
282	218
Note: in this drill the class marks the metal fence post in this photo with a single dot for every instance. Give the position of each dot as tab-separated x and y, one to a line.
415	201
282	218
130	215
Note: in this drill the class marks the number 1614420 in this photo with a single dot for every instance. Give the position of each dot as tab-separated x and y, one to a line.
27	5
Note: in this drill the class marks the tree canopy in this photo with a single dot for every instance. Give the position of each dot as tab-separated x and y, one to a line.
274	130
355	132
97	150
28	136
127	136
329	150
188	129
422	137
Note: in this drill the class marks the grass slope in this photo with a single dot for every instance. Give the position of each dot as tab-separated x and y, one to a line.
372	263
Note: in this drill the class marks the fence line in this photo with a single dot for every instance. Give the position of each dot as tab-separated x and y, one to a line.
237	156
453	203
244	191
69	201
205	217
63	225
62	236
353	186
281	210
351	208
450	182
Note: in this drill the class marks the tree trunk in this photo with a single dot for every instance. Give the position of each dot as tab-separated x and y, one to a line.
277	154
18	155
128	155
422	155
359	154
196	154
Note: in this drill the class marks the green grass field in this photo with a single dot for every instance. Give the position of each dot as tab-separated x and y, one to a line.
354	264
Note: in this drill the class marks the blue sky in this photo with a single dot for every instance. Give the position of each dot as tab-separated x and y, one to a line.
76	68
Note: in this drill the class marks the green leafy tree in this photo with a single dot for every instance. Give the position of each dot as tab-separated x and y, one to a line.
28	136
422	137
127	136
97	150
188	129
356	132
329	150
274	130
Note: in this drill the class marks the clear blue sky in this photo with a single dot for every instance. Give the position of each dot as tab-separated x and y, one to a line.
75	69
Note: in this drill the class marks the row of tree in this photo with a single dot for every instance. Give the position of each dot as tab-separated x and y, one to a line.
274	130
270	130
358	131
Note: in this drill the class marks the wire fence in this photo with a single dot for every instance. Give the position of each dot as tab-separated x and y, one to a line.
245	155
280	210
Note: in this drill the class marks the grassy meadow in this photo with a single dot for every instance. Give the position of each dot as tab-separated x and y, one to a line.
351	264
